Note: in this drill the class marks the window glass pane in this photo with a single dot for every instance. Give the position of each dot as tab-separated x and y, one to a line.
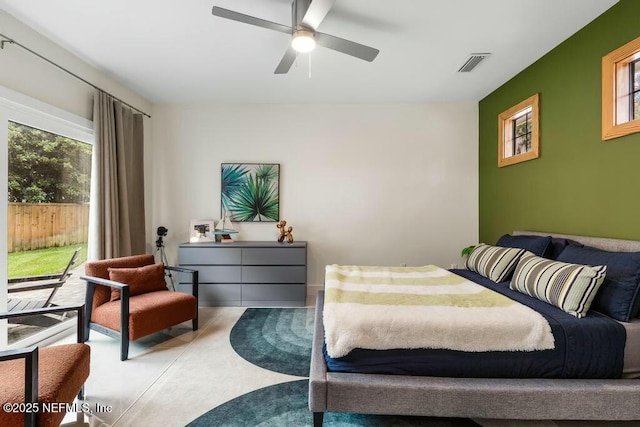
48	215
523	144
636	105
521	125
522	134
47	168
636	75
508	148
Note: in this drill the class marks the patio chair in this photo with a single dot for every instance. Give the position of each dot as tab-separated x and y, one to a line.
52	375
127	298
51	282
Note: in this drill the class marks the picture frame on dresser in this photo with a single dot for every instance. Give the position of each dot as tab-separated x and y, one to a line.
201	230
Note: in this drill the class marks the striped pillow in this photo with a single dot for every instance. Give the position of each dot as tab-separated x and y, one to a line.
570	287
493	262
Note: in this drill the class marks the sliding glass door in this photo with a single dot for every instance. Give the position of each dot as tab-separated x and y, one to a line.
46	216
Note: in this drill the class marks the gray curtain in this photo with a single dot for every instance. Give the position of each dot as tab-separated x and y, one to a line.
117	224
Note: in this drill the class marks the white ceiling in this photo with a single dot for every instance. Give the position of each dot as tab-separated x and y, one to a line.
172	51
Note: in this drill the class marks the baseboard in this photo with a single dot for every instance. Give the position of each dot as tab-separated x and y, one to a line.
515	423
312	291
552	423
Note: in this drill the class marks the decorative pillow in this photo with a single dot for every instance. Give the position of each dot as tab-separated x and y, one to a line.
619	295
140	280
493	262
570	287
537	245
557	245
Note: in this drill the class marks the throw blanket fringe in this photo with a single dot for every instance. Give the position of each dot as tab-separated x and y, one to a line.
383	308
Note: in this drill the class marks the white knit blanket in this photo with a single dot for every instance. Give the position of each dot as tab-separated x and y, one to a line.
382	308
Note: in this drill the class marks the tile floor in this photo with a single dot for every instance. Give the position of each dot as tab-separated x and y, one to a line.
173	377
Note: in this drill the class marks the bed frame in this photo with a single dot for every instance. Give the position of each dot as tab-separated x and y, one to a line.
477	398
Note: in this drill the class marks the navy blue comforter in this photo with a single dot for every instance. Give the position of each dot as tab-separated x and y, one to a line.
591	347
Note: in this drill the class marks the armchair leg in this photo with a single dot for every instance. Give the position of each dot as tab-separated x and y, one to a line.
195	323
124	323
124	347
88	308
318	418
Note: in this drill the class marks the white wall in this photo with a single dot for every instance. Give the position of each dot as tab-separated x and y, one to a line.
363	184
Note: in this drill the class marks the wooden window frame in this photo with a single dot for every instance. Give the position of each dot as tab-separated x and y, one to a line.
616	120
506	118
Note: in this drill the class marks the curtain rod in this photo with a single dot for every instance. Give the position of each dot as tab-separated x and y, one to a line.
12	41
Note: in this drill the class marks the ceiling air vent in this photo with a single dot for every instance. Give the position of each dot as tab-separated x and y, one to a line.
472	62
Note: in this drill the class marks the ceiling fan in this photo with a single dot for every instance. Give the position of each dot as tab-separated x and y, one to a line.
306	16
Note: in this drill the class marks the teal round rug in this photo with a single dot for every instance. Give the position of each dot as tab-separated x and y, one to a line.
277	339
285	404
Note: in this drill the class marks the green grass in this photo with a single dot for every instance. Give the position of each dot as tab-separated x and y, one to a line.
43	261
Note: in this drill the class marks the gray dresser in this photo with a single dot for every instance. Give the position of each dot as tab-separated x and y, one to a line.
252	274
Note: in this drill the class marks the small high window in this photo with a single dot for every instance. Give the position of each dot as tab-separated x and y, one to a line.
621	91
518	132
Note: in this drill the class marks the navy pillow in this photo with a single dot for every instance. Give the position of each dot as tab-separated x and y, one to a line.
535	244
557	246
618	295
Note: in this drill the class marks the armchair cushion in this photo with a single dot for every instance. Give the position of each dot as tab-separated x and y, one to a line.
141	280
149	312
62	370
101	269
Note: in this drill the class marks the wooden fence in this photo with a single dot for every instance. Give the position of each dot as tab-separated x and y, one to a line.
44	225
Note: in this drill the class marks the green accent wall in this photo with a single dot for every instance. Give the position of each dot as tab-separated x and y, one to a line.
579	184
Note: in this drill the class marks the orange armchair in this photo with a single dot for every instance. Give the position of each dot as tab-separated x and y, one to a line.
34	379
127	299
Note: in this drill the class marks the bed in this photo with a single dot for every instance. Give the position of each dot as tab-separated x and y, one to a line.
480	398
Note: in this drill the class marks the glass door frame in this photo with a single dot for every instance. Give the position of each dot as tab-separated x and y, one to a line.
20	108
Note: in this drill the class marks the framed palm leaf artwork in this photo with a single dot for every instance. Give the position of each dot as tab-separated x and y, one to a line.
251	192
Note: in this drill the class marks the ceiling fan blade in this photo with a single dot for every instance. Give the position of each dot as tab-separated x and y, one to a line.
286	62
241	17
316	12
345	46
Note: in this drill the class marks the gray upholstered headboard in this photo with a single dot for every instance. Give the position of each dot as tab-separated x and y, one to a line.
596	242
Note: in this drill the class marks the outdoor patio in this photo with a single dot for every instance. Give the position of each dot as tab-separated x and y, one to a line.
71	293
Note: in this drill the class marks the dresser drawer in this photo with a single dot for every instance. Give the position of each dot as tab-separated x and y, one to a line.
274	292
218	274
216	294
204	255
274	274
274	256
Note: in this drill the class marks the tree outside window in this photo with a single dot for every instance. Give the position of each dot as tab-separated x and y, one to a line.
47	168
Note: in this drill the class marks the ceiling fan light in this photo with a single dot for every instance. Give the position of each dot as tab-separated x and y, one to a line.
303	41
